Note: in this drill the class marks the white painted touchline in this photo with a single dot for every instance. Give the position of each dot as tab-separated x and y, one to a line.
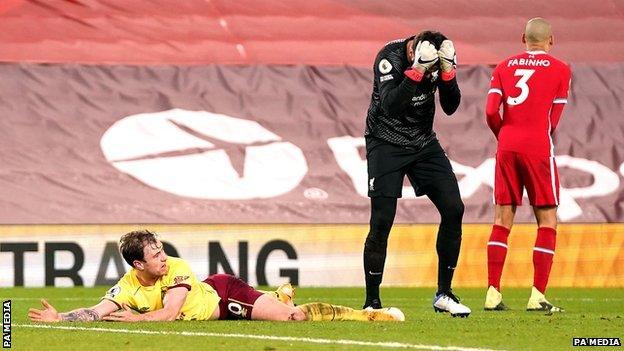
262	337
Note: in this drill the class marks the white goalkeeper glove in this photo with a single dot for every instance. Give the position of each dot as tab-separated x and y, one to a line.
448	58
425	56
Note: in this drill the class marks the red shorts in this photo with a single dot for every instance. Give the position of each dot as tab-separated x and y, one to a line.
515	171
237	297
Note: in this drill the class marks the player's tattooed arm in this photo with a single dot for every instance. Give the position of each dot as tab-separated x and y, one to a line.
80	315
49	314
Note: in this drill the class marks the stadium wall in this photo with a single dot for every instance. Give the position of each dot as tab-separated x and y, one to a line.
588	255
272	144
262	144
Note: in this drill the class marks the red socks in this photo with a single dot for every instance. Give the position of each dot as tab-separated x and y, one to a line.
496	253
543	253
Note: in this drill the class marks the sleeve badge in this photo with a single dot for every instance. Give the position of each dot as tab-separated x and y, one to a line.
384	66
114	291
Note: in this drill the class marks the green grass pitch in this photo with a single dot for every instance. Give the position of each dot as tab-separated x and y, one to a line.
589	313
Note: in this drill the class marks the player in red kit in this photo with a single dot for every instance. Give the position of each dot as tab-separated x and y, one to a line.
533	89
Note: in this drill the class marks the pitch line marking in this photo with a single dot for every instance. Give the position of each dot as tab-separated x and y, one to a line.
396	345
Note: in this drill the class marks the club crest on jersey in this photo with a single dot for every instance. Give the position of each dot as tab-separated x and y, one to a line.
434	76
180	279
384	66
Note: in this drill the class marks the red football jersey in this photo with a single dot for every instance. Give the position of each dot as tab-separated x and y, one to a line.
529	83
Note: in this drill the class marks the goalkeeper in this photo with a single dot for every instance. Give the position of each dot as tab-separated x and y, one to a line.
162	288
400	141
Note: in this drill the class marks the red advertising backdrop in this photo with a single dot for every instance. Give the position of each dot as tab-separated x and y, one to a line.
260	144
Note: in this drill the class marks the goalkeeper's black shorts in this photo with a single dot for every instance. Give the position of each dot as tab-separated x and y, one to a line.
388	164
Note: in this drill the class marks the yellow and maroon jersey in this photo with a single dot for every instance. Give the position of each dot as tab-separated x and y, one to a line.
200	303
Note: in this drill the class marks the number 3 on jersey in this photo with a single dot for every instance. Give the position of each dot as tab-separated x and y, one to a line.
524	75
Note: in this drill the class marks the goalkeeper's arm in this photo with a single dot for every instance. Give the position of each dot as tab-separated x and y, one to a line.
450	95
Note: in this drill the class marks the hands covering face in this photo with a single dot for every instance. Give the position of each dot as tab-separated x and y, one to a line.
448	58
425	56
428	58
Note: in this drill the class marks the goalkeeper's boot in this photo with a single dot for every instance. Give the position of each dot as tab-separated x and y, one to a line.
286	294
448	302
385	314
494	300
538	302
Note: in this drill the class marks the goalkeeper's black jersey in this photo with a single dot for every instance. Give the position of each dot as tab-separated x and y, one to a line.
401	110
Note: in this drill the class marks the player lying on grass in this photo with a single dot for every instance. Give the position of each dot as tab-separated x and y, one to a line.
162	288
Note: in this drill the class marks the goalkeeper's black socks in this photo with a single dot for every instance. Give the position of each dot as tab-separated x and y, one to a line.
373	272
383	210
447	245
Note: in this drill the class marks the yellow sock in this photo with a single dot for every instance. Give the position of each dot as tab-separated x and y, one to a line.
349	314
318	311
270	293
